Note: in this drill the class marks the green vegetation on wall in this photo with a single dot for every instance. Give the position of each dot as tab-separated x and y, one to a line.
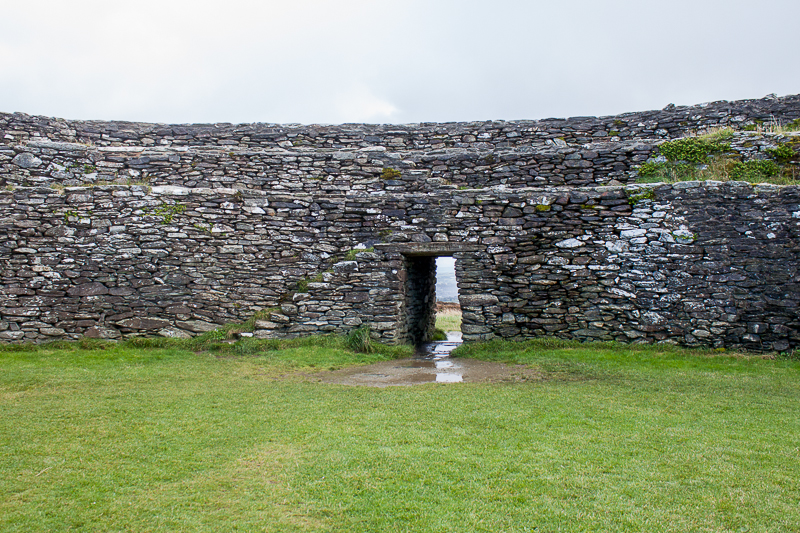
390	174
709	157
693	149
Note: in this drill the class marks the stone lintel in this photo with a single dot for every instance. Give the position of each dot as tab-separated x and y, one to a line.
429	248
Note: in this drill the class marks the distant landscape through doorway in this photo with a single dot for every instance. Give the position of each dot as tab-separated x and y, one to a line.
446	288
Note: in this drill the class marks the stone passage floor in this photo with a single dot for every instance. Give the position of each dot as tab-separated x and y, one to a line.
431	364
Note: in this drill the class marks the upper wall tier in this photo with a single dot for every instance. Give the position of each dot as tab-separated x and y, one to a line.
669	122
47	163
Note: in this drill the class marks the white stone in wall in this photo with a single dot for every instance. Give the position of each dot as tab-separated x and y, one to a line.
569	243
631	233
620	292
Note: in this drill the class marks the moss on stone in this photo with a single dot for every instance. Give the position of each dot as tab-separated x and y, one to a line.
390	173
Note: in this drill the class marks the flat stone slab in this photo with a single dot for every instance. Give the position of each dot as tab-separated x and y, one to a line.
429	248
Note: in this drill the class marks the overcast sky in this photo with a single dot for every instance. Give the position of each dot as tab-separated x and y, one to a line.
326	61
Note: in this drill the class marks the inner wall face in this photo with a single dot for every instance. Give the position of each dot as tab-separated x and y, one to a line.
420	298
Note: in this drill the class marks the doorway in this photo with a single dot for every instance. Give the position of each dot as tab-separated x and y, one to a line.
416	320
430	284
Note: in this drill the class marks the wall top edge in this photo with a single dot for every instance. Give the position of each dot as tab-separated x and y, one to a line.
404	128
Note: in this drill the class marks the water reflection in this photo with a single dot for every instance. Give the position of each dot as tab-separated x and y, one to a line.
437	355
449	377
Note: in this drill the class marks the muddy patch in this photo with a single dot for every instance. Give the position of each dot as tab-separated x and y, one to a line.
431	364
415	372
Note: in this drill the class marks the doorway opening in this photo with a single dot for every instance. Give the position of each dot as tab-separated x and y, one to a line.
448	309
431	290
416	320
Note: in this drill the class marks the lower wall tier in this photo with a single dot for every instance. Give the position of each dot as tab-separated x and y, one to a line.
690	263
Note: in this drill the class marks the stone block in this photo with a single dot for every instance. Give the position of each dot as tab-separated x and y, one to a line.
356	297
231	249
781	345
345	266
21	311
289	309
26	160
197	326
478	300
569	243
470	329
143	323
88	289
102	332
174	333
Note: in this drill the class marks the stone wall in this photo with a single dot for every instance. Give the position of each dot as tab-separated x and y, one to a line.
692	263
45	163
116	229
670	122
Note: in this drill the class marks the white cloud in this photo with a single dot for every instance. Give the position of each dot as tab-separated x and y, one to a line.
360	105
378	61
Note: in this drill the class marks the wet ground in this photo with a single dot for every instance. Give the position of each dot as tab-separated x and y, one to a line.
431	364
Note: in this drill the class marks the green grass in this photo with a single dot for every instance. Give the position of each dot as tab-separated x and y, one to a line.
719	169
121	438
448	320
709	157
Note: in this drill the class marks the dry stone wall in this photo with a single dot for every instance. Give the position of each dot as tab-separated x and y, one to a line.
693	263
175	230
45	163
670	122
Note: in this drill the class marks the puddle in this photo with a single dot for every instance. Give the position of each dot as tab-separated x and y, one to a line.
436	355
431	364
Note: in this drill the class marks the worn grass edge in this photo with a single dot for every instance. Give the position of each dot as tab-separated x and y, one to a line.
244	346
508	351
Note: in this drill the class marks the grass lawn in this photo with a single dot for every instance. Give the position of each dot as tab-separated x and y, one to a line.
124	438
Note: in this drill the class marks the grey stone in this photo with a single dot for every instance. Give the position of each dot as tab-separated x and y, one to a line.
26	160
234	217
197	326
174	333
143	323
289	309
52	332
631	233
231	249
88	289
478	300
102	332
346	266
781	345
569	243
